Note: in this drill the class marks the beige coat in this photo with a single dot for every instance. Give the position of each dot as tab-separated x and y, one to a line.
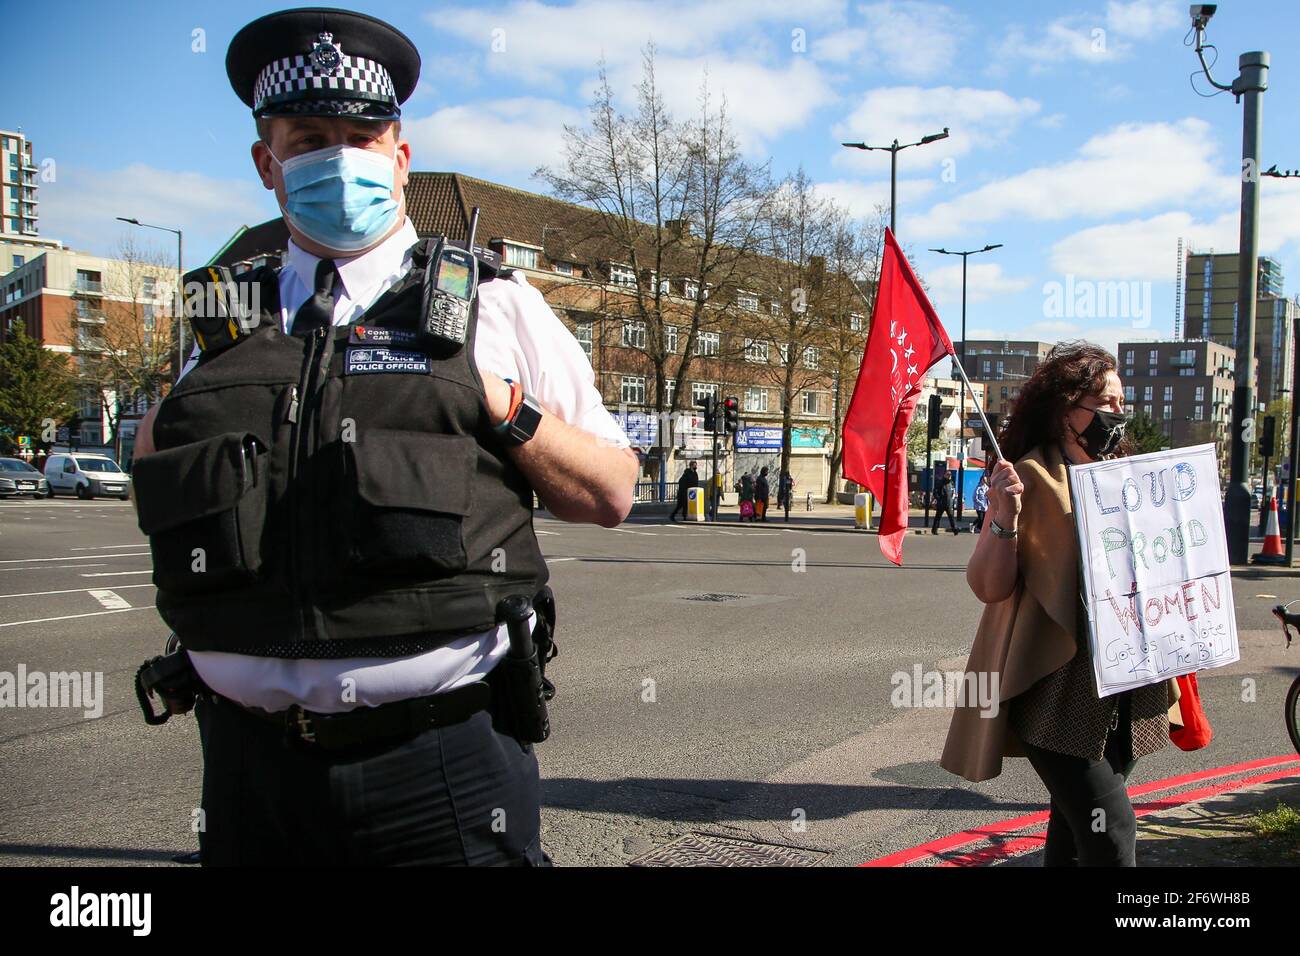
1031	633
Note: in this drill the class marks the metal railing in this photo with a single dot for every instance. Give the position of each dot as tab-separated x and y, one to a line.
648	491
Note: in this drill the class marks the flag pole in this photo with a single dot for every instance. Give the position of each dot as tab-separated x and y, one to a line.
987	430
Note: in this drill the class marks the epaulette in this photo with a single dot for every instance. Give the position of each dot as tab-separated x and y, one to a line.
223	306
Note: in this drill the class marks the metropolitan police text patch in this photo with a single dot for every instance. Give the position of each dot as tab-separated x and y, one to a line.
362	361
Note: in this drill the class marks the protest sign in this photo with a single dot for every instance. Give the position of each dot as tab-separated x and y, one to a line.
1155	566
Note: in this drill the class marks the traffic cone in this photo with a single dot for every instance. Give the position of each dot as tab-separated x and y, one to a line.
1273	552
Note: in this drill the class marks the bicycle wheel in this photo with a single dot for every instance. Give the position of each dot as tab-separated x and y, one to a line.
1292	713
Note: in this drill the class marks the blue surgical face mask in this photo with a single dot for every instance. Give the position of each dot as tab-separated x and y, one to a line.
340	196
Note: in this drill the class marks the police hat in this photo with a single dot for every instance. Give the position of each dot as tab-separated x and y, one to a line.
316	61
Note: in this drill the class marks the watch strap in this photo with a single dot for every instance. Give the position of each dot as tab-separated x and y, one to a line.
1000	531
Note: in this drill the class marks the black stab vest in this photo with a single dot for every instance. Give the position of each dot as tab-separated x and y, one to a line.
317	498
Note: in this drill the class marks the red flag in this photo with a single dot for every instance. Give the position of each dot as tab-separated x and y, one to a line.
905	340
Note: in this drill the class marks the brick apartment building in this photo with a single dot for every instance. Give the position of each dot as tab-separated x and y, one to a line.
71	302
1184	387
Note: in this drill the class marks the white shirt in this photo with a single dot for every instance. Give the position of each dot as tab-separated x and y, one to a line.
518	337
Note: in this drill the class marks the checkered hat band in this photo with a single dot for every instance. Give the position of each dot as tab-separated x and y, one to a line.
292	76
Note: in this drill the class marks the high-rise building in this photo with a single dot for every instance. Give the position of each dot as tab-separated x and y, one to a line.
1210	312
1002	366
17	185
1184	387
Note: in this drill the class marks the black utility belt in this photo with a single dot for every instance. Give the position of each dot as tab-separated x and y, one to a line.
387	723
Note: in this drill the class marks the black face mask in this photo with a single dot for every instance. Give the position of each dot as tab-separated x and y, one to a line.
1104	432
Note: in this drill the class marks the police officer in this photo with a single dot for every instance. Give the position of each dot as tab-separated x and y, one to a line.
339	493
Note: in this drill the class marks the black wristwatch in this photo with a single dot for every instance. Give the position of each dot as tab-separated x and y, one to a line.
522	423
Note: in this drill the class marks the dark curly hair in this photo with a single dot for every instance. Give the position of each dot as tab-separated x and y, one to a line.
1070	371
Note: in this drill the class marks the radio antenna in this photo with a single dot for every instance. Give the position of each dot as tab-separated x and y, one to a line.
473	228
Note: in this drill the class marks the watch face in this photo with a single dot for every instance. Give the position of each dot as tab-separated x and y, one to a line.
526	420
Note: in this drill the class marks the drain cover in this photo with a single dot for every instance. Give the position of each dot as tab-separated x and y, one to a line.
703	849
715	598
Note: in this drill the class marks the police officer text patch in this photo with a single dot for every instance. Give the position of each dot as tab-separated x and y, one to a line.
363	361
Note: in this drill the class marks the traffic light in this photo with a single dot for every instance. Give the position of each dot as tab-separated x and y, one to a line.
710	406
731	407
1265	449
932	422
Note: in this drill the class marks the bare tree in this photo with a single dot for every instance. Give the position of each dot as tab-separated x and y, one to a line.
675	206
855	258
131	357
800	233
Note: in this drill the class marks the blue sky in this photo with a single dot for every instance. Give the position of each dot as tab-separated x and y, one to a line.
1077	139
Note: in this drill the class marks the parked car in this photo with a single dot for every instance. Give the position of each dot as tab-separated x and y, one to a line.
87	476
19	478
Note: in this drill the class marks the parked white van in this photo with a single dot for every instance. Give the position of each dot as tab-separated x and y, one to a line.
86	476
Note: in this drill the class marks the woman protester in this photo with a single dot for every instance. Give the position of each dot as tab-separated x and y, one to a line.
1033	635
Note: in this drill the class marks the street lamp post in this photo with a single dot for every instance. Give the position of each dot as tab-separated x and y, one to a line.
180	292
1248	88
894	148
961	413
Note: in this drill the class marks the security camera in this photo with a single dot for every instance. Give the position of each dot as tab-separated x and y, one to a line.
1201	13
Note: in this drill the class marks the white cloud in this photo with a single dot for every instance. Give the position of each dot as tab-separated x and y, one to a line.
762	103
1139	248
1142	19
984	281
976	118
912	40
1147	248
80	207
1131	167
538	42
1090	37
861	198
509	137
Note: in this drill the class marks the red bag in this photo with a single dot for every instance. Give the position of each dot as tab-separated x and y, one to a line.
747	509
1195	732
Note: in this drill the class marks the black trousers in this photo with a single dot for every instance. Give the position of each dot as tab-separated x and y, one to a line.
943	506
460	795
681	507
1091	820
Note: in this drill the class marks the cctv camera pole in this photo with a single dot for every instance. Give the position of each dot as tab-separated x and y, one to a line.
1248	88
1291	447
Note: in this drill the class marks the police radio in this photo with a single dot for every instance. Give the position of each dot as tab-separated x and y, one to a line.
450	282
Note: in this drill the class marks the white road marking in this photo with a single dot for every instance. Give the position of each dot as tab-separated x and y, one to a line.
69	617
107	547
81	557
558	560
96	593
114	574
540	531
630	531
57	567
110	599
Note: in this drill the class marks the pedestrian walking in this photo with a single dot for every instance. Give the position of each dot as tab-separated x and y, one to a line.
785	492
688	480
981	503
762	494
339	493
1032	640
943	501
745	488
